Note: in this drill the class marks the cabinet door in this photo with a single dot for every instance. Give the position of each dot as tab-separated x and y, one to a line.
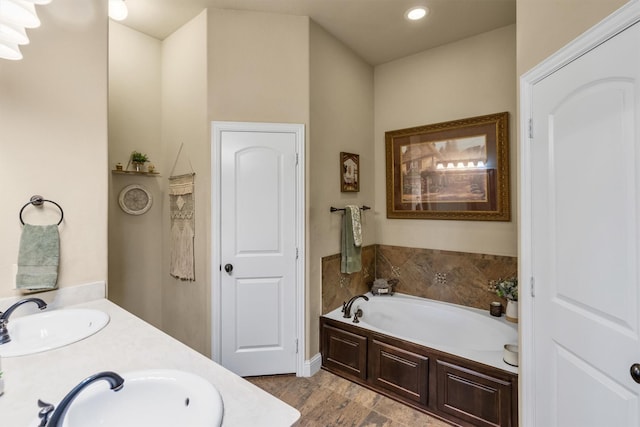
344	351
473	396
401	372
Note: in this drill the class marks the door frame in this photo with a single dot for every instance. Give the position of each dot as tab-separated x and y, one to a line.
620	20
217	127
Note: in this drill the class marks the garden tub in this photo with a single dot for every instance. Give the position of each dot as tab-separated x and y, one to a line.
463	331
444	359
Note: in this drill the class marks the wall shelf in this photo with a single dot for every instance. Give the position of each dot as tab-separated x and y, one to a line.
119	172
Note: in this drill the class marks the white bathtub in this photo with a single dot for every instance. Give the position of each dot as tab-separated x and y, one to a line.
463	331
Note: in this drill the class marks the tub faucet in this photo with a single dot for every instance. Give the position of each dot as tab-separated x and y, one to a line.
116	382
4	317
346	307
357	315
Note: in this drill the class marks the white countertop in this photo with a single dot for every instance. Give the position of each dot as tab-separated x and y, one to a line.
126	344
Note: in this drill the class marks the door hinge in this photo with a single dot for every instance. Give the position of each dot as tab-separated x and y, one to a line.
297	159
297	253
532	285
530	128
296	345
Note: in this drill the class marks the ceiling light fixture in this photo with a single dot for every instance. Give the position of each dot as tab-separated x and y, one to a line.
15	17
13	33
10	50
19	12
118	10
416	13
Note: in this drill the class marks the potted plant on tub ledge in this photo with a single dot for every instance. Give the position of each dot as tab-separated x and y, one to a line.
138	159
507	288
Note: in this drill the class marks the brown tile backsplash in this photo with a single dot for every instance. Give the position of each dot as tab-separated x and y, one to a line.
456	277
338	287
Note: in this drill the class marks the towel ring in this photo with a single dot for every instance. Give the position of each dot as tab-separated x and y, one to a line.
39	201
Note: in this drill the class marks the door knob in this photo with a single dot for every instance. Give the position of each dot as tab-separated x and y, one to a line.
228	268
635	372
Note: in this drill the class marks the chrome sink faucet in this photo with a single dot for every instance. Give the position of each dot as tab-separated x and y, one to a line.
116	382
346	306
4	317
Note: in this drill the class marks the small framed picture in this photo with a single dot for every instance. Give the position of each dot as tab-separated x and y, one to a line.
349	172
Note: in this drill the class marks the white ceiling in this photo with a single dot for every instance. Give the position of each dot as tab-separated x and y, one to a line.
375	29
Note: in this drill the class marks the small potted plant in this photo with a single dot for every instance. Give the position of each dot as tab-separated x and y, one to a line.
507	288
138	159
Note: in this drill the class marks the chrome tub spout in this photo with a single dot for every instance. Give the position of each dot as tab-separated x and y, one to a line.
346	307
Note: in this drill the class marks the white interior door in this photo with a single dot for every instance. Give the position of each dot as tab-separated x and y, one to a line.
585	178
258	251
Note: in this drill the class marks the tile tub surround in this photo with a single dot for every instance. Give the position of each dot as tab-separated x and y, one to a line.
457	277
338	287
127	344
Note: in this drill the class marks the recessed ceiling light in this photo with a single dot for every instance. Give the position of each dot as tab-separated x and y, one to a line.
118	10
416	13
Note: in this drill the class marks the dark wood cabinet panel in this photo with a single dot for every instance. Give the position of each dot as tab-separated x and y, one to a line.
474	396
462	391
344	351
399	371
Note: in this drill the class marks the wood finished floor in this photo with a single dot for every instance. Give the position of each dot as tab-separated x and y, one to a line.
326	400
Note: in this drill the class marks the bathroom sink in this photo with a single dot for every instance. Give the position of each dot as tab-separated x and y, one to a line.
158	398
51	329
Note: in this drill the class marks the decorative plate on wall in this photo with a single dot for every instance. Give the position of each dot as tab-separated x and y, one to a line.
135	199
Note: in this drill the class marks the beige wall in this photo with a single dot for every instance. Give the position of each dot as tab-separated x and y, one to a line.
185	304
472	77
222	65
259	72
53	121
157	102
544	26
258	67
135	250
341	99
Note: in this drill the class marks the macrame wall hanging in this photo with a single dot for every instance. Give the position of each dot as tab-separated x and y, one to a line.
182	210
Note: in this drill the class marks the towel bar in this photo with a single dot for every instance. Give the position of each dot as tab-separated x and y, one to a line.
362	208
39	201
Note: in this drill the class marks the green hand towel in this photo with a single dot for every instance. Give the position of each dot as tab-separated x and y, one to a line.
38	257
351	259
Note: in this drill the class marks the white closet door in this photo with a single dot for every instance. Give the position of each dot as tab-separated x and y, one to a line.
258	252
585	181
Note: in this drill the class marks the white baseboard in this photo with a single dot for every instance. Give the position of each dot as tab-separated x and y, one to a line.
312	366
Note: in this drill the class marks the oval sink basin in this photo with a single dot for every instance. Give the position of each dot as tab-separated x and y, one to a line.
51	329
158	398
